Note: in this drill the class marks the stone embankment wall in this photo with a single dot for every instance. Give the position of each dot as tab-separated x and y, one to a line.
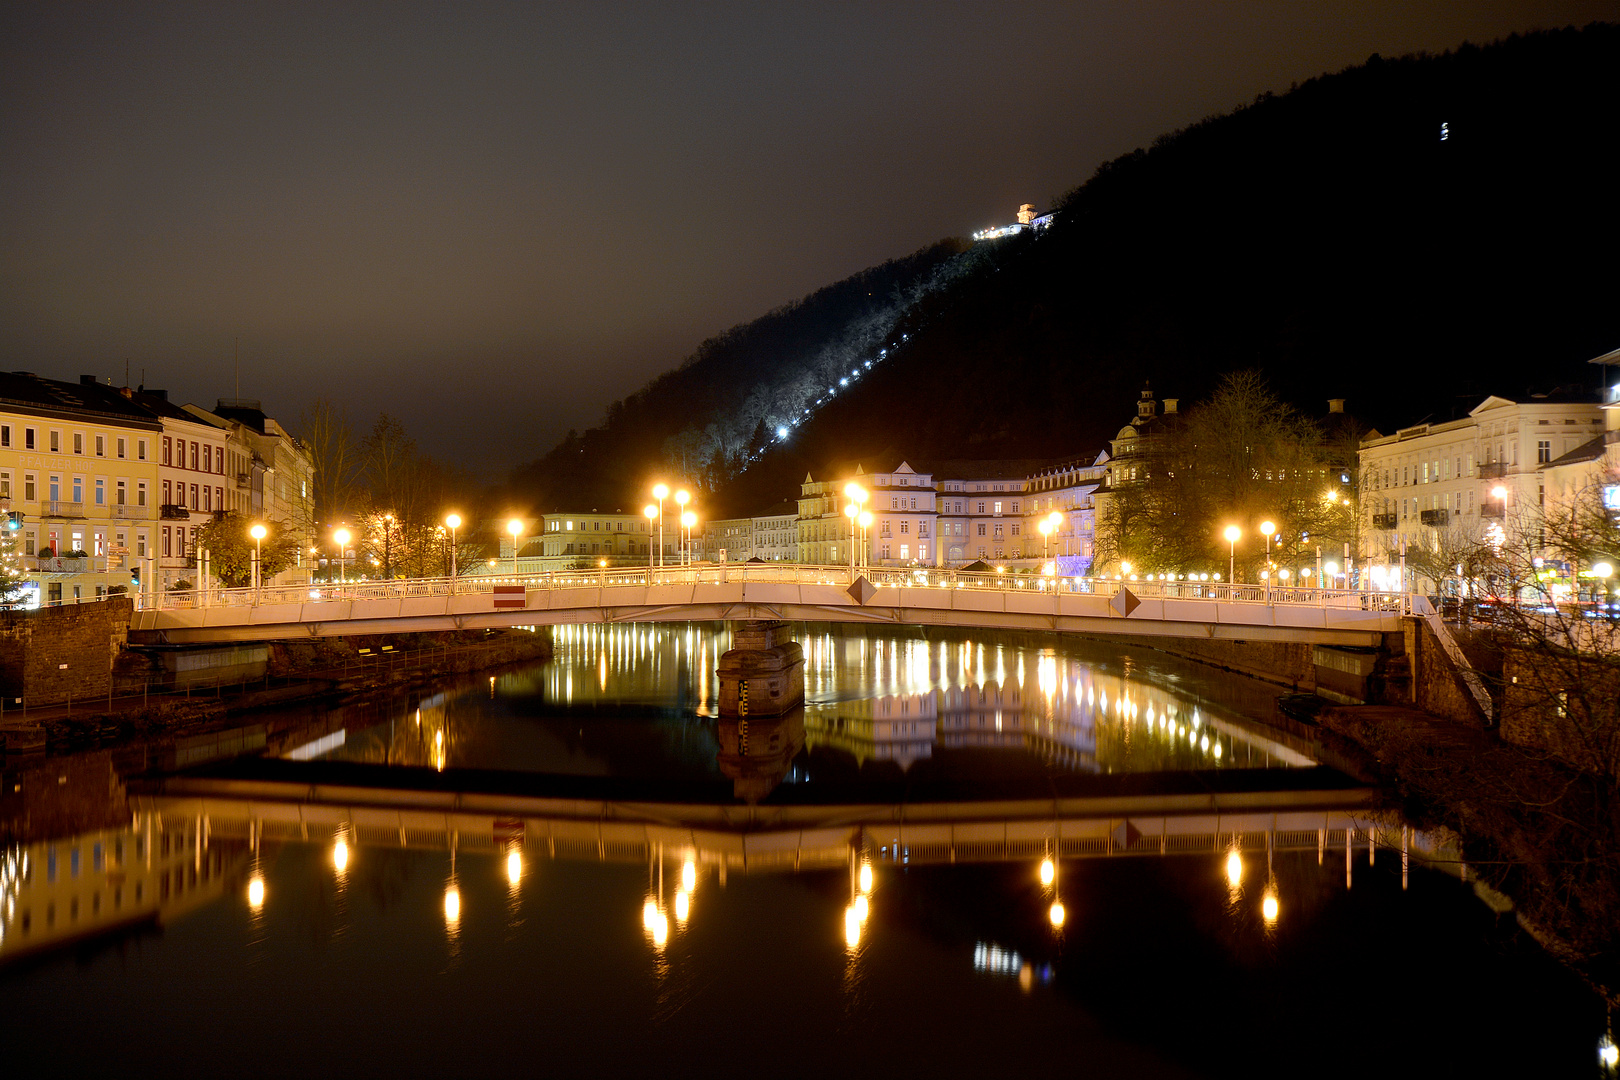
60	653
1437	687
1285	663
1562	706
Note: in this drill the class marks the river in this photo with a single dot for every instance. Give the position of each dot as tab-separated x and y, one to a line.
143	942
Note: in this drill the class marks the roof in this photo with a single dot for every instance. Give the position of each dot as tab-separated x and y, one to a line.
785	508
86	398
1590	450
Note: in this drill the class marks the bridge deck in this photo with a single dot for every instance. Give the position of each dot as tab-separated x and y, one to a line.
790	592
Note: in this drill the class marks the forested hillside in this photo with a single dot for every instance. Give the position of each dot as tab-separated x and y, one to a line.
1408	234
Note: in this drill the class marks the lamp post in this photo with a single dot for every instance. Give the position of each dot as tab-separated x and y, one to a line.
1602	572
682	497
865	519
342	537
851	511
1267	528
1056	518
660	492
454	522
258	532
688	519
857	497
1232	534
515	527
651	512
1046	539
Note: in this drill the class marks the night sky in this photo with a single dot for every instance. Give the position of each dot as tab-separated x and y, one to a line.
492	219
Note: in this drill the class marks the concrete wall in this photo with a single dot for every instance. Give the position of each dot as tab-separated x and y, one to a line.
1436	687
1285	663
54	654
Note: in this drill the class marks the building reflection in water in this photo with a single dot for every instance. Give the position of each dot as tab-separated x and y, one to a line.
1072	713
62	891
895	699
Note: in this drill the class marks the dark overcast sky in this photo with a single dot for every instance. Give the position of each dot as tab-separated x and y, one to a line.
493	219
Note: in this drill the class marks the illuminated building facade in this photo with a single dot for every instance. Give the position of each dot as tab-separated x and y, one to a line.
587	539
1464	481
78	463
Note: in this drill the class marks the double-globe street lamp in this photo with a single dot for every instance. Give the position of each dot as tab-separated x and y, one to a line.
688	522
660	492
1232	533
857	497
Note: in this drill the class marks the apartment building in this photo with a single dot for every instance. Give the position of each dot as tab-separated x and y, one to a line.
573	539
78	462
1432	483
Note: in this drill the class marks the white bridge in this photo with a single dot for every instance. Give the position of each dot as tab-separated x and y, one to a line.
793	592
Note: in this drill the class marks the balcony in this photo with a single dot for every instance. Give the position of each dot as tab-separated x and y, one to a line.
1493	508
174	512
56	508
1435	517
242	479
1383	521
126	512
1493	471
59	566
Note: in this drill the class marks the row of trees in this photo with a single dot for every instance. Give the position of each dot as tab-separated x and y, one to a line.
1243	457
393	499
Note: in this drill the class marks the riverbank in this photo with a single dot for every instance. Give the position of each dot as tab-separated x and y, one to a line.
1531	827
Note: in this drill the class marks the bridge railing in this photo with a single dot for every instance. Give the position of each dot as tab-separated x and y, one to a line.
783	573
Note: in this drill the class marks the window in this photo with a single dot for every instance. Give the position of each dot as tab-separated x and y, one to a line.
101	491
168	450
166	541
905	527
5	434
194	454
208	459
28	438
1015	507
981	531
981	508
219	497
194	504
121	448
78	442
56	442
1543	451
168	494
140	449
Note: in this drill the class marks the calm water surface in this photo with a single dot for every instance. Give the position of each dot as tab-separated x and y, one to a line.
291	957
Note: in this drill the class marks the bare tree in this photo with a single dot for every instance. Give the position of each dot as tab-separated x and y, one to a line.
325	429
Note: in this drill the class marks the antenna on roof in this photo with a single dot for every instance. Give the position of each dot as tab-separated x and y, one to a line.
236	365
126	371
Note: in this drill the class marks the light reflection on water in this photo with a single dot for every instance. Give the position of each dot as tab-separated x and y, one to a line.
897	700
615	952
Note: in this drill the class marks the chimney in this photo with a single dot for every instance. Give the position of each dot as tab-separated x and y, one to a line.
1335	404
1170	405
87	380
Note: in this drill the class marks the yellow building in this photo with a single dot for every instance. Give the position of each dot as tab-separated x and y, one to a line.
79	468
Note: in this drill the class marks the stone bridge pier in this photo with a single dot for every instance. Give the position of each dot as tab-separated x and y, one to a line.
762	674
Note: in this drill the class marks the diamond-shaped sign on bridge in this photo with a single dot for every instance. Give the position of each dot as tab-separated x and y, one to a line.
862	590
1124	602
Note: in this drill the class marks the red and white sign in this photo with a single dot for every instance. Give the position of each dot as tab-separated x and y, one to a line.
511	596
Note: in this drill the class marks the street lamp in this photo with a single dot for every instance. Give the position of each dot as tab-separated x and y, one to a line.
651	512
454	522
258	532
865	520
682	497
1046	539
515	527
1056	518
1232	534
857	497
688	519
852	511
342	537
660	492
